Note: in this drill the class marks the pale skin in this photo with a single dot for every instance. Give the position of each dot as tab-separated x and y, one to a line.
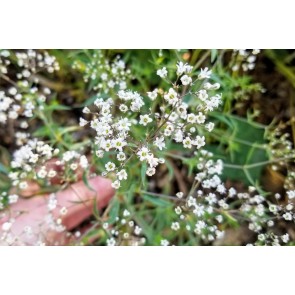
78	200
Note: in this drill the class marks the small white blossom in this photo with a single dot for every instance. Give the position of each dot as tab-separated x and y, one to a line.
122	174
175	226
145	119
164	243
116	184
160	142
171	96
153	95
187	143
205	74
150	171
162	72
110	166
143	153
186	80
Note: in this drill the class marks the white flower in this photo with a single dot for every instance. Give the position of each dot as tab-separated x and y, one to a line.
285	238
175	226
123	108
201	118
51	173
104	76
187	143
209	126
83	122
42	173
171	96
204	74
99	153
110	166
199	141
199	210
145	119
86	110
12	199
111	242
179	195
23	185
162	72
209	86
153	95
143	153
178	210
186	80
202	95
119	143
164	243
287	216
191	118
63	211
116	184
126	213
121	156
159	142
122	174
6	226
150	171
83	162
153	161
183	68
291	194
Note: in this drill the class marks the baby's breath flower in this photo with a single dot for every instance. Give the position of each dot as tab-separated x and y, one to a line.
122	174
121	156
204	74
110	166
175	226
164	243
187	143
143	153
178	210
162	72
171	96
144	120
179	195
153	95
116	184
160	142
111	242
6	226
150	171
186	80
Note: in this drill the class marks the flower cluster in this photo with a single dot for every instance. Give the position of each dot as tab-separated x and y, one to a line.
103	74
124	232
179	119
25	94
210	206
244	59
282	153
38	161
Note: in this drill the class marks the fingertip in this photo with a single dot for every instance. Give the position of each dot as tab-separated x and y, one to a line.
102	186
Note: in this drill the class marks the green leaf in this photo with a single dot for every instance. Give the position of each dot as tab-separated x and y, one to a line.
114	212
214	53
57	107
241	148
3	169
157	201
143	174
